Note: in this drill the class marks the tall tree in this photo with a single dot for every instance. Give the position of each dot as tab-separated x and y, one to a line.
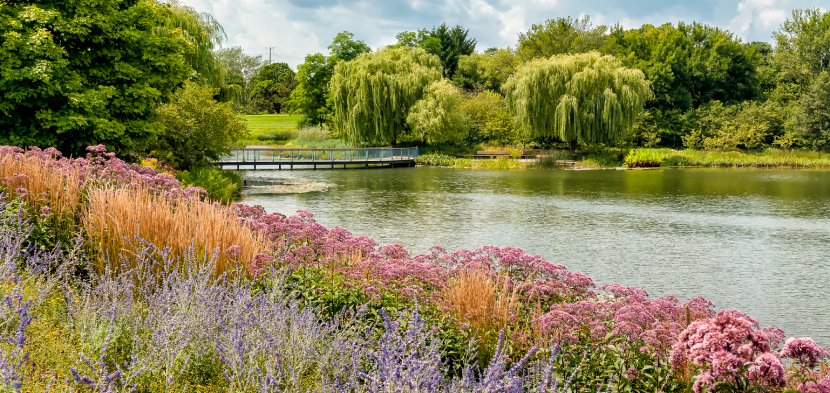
689	65
311	94
101	82
372	94
585	97
803	46
272	88
346	48
488	70
454	43
814	120
436	118
203	34
237	62
560	36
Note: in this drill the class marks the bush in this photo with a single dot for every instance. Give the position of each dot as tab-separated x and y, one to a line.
221	185
311	134
198	130
436	117
643	159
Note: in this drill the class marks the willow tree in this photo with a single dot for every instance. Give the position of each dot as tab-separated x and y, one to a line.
436	118
587	97
373	93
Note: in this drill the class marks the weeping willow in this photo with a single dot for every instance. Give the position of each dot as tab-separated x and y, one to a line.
372	94
436	118
585	97
203	34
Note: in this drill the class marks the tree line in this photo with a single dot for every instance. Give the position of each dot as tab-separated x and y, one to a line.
150	76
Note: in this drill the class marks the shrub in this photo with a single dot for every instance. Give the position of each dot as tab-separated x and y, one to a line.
551	159
311	134
198	130
220	185
643	158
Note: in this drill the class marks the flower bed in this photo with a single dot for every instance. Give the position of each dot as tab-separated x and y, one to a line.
232	298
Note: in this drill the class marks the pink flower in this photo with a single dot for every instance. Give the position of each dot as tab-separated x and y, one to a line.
768	369
804	350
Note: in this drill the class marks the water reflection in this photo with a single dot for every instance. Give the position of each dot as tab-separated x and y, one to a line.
755	240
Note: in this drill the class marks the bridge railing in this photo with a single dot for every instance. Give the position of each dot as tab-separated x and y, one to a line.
264	155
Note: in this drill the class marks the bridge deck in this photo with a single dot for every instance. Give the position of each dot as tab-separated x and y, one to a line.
262	157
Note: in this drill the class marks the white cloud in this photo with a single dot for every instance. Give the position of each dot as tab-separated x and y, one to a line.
758	17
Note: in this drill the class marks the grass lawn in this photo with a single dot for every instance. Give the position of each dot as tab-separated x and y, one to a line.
262	126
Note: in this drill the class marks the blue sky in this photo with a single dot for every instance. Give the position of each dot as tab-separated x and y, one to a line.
296	28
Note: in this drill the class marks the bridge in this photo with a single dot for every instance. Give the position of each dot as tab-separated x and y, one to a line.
291	157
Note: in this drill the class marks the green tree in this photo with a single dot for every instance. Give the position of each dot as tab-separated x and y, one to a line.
197	129
585	97
689	65
436	117
372	94
346	48
236	62
488	119
561	36
814	119
803	46
203	34
454	43
488	70
419	39
80	73
310	97
272	88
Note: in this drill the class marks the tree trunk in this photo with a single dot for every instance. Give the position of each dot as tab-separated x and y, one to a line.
572	147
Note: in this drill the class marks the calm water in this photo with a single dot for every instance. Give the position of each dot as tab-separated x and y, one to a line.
754	240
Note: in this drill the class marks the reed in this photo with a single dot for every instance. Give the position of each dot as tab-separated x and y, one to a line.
45	185
482	299
115	217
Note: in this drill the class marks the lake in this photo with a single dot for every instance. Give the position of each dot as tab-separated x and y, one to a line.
757	240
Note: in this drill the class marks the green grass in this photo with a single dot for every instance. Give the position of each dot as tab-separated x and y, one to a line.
269	129
770	158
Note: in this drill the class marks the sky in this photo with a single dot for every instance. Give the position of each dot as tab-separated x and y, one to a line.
296	28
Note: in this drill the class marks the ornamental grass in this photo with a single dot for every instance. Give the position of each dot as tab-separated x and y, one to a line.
116	217
39	181
482	299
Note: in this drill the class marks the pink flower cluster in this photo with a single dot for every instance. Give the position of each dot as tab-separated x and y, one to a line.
105	169
625	313
805	351
724	346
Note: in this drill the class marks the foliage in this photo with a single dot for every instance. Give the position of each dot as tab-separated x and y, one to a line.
814	119
203	34
372	95
561	36
436	117
311	94
197	129
99	80
220	185
688	65
311	134
345	48
271	88
454	43
488	118
753	125
486	71
435	160
802	47
643	158
236	62
584	97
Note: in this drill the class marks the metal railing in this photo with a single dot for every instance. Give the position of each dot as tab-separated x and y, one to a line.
323	156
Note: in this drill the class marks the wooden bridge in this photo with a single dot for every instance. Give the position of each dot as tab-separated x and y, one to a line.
288	157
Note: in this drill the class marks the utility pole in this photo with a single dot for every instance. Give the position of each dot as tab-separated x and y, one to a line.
269	53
